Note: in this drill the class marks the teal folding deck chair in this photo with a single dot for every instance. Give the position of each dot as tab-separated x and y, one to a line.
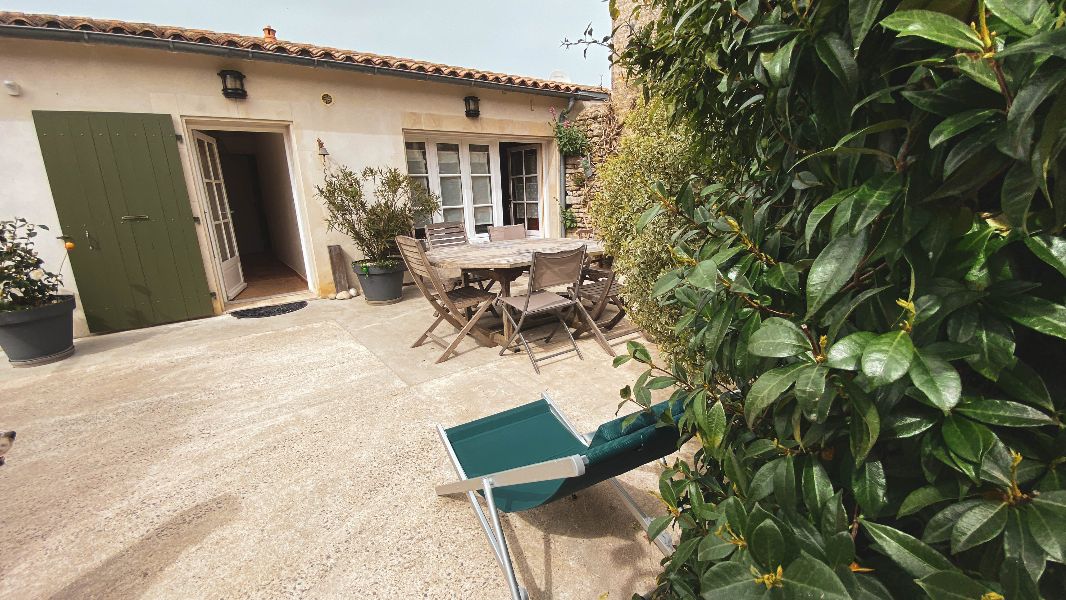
531	455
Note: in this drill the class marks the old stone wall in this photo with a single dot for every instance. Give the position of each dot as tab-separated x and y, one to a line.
603	128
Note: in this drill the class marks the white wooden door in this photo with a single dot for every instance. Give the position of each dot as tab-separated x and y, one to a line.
524	176
219	215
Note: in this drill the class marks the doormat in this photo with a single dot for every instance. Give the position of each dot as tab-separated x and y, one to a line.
269	311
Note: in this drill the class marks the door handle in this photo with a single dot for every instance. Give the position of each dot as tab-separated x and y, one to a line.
128	218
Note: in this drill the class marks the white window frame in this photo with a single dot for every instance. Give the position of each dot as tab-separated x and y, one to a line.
496	188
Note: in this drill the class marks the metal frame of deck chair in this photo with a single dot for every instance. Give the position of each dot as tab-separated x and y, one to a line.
584	460
450	305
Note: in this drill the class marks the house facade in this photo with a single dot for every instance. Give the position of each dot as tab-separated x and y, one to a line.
184	202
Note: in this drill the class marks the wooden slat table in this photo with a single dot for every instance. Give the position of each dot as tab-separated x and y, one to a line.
506	259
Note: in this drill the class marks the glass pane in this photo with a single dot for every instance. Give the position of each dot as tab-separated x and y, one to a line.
451	191
205	167
212	202
422	182
531	190
479	159
220	237
531	162
516	190
532	209
416	158
215	171
482	190
453	214
220	193
519	209
516	163
232	243
448	159
482	219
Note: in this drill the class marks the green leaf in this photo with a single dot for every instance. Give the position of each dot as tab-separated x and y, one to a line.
1038	88
994	342
840	549
865	426
766	545
888	357
978	525
862	14
778	63
810	386
1046	518
809	578
869	486
1048	42
704	275
937	379
659	525
874	197
714	547
939	527
847	353
714	428
1014	15
933	26
1019	544
1036	313
1023	383
1050	249
770	32
1017	194
769	388
958	123
952	585
730	580
822	210
648	215
923	497
1003	412
666	282
783	276
964	437
1016	581
907	551
837	57
833	268
875	128
817	489
778	338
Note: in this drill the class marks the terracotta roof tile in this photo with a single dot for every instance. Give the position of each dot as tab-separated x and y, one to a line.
199	36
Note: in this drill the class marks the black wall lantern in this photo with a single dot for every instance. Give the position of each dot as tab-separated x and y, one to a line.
233	84
473	109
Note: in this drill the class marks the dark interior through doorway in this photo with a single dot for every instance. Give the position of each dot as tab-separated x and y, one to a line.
256	174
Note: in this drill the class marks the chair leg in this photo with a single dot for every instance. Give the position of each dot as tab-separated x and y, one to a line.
573	343
464	331
595	330
515	328
426	333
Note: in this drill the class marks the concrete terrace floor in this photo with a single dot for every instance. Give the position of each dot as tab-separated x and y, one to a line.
292	456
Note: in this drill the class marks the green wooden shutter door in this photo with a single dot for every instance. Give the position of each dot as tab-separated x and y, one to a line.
103	167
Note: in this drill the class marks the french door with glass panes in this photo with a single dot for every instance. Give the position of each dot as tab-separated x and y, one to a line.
524	184
465	175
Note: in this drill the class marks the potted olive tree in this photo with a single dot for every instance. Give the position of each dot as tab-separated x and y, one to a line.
392	207
36	321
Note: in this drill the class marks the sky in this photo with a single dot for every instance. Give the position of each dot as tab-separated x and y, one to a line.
508	36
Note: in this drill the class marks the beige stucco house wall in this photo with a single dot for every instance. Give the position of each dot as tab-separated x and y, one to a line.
365	125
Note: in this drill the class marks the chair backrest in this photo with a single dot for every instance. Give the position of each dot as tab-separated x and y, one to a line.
507	232
556	268
425	275
439	235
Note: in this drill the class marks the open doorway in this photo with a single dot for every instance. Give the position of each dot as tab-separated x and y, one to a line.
520	179
252	213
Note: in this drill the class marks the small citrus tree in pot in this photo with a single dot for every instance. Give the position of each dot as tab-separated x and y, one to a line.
36	321
373	221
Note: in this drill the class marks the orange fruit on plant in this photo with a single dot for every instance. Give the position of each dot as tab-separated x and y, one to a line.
69	245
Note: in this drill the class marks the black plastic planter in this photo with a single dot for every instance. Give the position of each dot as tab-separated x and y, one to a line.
38	336
380	285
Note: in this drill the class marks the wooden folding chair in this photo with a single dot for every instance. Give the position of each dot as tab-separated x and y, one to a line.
449	305
453	233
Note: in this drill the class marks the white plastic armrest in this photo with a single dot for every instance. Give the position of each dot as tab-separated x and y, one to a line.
559	468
